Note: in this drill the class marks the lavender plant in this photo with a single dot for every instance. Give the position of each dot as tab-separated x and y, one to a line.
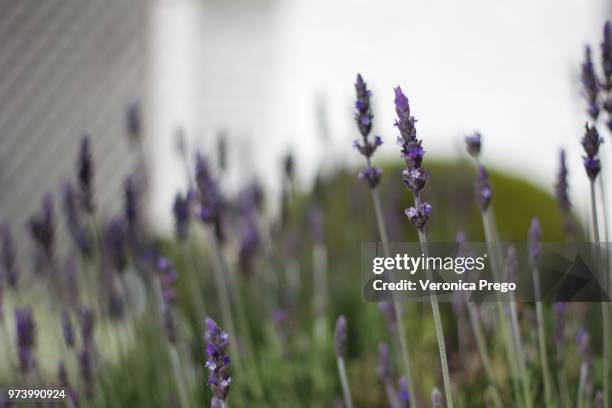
415	179
340	342
371	176
218	363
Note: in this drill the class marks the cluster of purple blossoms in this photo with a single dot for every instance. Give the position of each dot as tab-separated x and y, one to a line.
181	210
534	247
85	174
81	236
218	362
562	195
403	395
473	144
341	336
363	117
590	84
208	192
415	177
26	332
591	142
42	228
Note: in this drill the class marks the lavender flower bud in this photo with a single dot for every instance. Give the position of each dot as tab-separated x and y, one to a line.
590	84
67	329
534	236
79	233
42	228
115	243
591	141
562	195
209	196
7	257
218	362
403	395
130	191
412	152
341	336
371	176
25	329
419	216
592	167
482	189
473	144
606	56
405	121
133	122
511	266
415	179
181	216
384	366
85	173
388	311
436	398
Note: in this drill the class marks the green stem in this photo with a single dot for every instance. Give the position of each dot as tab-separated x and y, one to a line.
542	340
401	333
179	378
604	305
521	355
346	391
193	282
435	308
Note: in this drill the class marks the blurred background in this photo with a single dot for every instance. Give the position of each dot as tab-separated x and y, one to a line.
276	76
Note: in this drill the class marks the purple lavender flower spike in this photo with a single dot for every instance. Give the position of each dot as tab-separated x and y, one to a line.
341	336
371	176
511	266
250	242
562	194
436	398
388	311
181	209
26	332
534	236
363	116
7	258
133	122
583	343
131	209
473	144
403	395
80	235
606	56
115	243
67	329
218	362
42	228
419	216
482	189
590	84
85	174
208	192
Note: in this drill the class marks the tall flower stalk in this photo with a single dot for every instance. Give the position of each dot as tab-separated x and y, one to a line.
415	179
534	255
590	143
341	339
371	176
